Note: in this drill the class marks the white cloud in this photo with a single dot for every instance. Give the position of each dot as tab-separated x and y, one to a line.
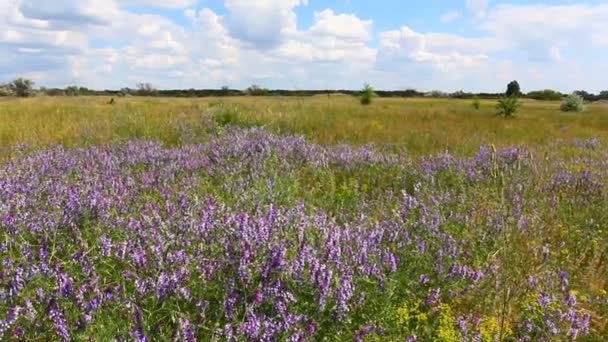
262	23
442	51
101	44
163	3
342	26
543	32
477	7
66	13
449	17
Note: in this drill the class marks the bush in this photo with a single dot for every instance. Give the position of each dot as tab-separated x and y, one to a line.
545	95
508	106
256	90
146	89
22	87
573	103
476	103
436	94
72	91
367	94
5	90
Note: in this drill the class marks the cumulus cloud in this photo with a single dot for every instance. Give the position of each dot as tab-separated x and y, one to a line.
441	51
65	13
262	23
477	8
343	26
163	3
543	32
104	44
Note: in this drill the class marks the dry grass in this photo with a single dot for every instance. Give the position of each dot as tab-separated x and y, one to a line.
420	125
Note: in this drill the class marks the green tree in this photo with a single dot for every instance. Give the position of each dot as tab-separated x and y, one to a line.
5	90
256	90
513	89
545	95
72	91
22	87
145	89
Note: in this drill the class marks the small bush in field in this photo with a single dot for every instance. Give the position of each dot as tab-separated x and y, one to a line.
5	90
573	103
508	106
367	94
476	103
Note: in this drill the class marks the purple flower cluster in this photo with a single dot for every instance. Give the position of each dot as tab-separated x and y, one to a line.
190	242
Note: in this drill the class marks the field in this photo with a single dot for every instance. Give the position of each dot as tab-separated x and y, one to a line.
423	126
301	219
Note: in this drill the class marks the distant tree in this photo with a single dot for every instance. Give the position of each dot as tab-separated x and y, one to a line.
573	103
22	87
367	94
85	91
585	95
461	95
545	95
145	89
603	95
507	106
513	89
5	90
125	92
436	94
72	91
256	90
53	91
225	91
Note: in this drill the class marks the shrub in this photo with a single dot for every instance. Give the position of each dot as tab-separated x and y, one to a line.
508	106
72	91
436	94
573	103
545	95
513	89
256	90
22	87
367	94
146	89
476	103
5	90
461	95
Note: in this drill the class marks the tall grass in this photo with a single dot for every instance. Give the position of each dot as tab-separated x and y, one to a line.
420	125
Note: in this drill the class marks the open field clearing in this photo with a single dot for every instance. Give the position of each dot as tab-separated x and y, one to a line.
285	219
422	126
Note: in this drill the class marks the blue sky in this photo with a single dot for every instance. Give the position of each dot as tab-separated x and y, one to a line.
472	45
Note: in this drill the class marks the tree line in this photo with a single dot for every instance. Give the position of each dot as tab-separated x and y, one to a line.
25	88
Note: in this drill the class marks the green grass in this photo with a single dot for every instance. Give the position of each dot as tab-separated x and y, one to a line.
420	125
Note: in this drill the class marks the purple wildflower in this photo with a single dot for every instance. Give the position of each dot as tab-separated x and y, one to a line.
362	332
187	334
59	322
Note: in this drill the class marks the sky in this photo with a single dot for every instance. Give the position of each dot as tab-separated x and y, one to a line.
448	45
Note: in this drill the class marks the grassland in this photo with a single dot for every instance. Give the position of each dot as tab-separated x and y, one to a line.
422	126
183	219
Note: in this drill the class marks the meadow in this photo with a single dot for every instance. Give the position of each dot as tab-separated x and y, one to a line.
421	125
301	219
